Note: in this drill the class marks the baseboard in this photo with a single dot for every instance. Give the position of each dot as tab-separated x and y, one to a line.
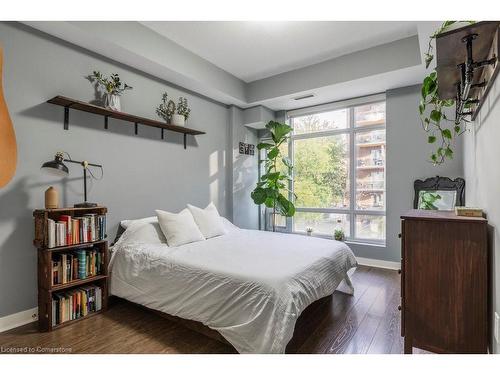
18	319
379	263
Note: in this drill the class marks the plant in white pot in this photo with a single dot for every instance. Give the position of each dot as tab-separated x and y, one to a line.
166	109
183	111
112	87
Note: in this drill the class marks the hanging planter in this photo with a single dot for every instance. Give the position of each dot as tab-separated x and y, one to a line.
467	54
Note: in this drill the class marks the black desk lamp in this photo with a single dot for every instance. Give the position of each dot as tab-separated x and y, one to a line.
58	168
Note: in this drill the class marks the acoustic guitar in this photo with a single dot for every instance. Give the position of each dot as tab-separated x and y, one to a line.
8	148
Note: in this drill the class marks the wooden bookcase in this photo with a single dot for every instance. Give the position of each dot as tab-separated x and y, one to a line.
46	289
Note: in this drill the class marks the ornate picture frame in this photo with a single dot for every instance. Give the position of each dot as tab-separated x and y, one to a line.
440	184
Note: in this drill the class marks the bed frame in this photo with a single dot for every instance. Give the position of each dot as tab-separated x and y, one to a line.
307	321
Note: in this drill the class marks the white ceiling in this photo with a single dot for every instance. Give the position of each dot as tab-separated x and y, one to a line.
254	50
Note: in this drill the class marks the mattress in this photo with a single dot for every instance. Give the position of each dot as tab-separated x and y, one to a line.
250	286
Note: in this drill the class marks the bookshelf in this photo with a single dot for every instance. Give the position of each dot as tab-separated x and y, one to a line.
95	272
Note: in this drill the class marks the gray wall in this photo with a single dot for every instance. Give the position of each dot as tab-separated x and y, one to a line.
407	160
141	172
244	171
481	155
408	155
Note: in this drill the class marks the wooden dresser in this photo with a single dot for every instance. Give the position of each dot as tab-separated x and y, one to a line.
444	282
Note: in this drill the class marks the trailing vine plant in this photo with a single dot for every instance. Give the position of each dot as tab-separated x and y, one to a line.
440	129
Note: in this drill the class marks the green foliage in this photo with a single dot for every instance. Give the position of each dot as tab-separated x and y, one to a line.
112	84
431	107
183	108
272	188
339	234
428	199
166	108
324	184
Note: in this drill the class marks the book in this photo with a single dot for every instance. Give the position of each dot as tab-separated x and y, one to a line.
75	231
55	272
69	236
82	267
468	211
51	233
75	303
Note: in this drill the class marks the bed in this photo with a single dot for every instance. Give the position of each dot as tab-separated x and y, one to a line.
249	286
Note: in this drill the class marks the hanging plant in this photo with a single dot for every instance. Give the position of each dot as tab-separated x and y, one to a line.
440	129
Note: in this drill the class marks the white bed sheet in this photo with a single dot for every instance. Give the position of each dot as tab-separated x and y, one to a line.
250	286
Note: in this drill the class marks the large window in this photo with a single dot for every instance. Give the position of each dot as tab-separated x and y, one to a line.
339	155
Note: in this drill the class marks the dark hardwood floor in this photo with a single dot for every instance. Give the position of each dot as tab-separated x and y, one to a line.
367	322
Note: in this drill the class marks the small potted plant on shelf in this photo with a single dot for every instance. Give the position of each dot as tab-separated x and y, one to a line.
113	88
166	109
309	231
182	114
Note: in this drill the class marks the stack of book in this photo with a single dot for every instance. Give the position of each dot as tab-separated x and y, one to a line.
75	304
78	265
74	230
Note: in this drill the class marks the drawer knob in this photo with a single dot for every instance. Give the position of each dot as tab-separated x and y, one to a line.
399	271
399	307
399	235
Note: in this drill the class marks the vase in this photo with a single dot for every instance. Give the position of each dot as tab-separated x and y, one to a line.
112	101
178	120
8	147
51	198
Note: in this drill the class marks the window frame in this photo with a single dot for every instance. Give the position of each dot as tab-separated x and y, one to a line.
351	131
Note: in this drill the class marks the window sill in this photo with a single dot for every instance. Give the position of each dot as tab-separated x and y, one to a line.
381	244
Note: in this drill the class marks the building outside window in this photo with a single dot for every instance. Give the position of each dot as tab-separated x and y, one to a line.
339	157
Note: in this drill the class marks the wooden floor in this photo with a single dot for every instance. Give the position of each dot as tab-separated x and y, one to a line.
368	322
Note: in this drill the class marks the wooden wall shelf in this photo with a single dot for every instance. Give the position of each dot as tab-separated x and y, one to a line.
451	51
68	103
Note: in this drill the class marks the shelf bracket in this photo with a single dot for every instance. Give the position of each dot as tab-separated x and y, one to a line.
106	122
162	135
185	135
66	118
136	128
478	85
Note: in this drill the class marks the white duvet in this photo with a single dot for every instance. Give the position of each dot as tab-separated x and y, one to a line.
250	286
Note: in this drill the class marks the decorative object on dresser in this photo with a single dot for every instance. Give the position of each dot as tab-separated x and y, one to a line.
439	193
468	211
58	168
72	264
444	282
8	147
68	103
113	88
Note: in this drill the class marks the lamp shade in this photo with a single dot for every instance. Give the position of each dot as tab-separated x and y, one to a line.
56	167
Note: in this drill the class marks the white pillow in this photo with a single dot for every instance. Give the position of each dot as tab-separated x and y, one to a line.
179	229
145	232
230	227
208	220
126	223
